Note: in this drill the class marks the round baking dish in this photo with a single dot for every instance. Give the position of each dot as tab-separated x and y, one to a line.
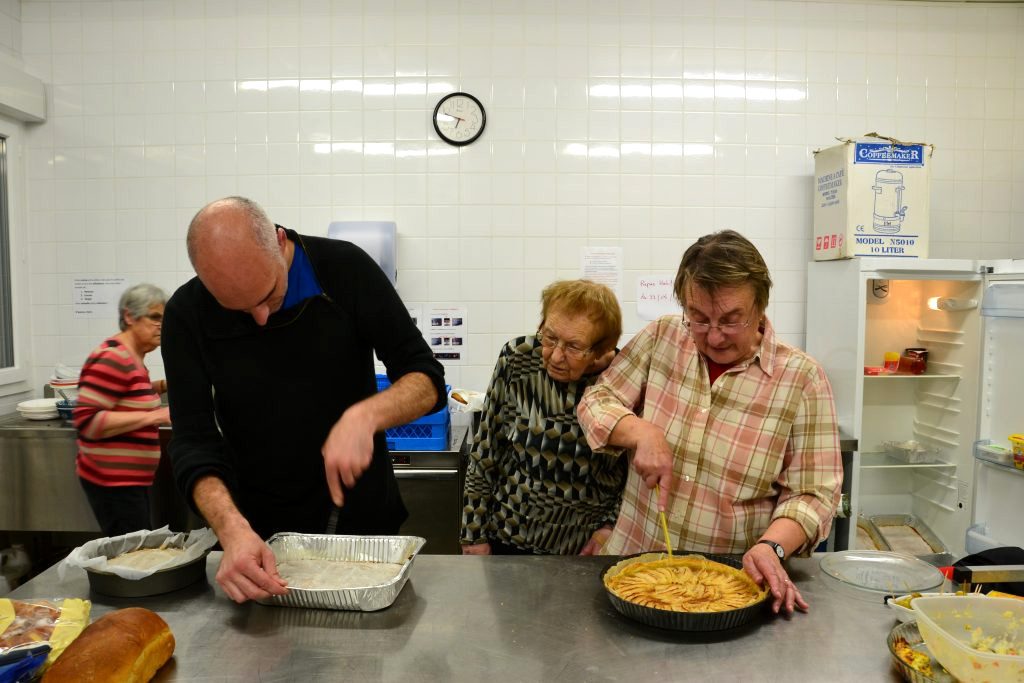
163	581
687	621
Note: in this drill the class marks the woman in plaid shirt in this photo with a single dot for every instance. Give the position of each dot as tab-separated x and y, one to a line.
736	428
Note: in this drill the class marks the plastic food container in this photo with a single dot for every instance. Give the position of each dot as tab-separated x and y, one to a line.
911	451
1017	442
950	624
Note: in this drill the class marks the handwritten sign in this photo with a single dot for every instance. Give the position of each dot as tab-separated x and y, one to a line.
655	297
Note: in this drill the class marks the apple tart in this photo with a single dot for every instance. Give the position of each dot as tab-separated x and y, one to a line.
691	583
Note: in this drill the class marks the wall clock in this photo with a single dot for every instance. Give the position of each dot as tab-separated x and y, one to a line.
459	118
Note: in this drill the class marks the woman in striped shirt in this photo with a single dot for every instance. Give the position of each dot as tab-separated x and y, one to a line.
118	415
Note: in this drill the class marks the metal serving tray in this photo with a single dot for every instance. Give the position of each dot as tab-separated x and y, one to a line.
395	549
940	553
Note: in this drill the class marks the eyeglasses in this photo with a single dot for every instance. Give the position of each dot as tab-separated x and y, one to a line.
724	328
157	318
551	342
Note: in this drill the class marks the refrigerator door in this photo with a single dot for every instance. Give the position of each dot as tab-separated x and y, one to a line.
998	486
859	311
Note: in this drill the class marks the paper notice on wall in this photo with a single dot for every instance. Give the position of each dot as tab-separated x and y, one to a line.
655	297
604	265
416	313
447	333
97	297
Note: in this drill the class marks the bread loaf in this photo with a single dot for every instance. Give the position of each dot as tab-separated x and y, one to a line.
125	646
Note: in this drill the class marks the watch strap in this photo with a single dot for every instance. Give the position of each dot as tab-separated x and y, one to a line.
780	552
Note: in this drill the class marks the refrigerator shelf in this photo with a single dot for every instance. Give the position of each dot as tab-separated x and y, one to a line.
994	455
882	460
910	376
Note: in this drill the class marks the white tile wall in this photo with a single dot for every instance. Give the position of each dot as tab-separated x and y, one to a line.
641	125
10	28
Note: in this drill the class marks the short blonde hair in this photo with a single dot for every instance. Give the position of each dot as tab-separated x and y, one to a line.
592	299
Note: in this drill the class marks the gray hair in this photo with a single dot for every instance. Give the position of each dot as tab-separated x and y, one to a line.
137	300
264	232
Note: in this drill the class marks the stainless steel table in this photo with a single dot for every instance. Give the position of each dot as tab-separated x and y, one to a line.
500	619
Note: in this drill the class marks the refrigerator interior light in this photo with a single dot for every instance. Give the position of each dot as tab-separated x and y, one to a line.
945	303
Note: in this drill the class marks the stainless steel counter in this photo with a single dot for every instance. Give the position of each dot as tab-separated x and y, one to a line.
500	619
39	490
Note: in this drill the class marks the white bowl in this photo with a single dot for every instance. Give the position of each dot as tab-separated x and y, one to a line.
38	406
905	614
41	416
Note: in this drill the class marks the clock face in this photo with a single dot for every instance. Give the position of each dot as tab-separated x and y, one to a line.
459	118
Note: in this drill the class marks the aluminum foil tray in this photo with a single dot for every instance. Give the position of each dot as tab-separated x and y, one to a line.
395	549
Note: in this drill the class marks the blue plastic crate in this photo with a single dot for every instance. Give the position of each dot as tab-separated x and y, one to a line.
428	433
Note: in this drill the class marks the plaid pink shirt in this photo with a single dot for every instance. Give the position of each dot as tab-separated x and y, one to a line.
760	444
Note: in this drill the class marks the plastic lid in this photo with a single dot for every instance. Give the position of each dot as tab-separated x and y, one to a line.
881	572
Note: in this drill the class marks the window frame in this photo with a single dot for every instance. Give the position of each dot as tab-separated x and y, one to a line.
14	379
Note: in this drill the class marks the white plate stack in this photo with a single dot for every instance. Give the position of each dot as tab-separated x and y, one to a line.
39	409
65	388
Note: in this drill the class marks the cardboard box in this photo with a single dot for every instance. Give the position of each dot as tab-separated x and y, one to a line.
871	198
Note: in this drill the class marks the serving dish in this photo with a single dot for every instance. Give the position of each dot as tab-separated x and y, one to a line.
950	625
391	549
909	633
906	614
686	621
874	574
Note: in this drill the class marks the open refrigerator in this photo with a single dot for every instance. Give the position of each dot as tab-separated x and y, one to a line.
933	448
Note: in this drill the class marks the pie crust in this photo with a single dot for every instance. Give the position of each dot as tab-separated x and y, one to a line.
691	583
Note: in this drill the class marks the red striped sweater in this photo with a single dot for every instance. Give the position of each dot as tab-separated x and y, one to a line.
111	380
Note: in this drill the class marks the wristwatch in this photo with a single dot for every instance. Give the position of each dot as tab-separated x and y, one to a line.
779	550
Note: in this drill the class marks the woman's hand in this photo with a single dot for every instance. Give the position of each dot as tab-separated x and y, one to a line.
653	461
477	549
596	541
764	567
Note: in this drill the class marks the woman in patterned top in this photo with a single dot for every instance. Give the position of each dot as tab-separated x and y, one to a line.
118	415
734	426
533	485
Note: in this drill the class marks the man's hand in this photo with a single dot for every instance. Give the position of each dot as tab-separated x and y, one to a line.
348	451
653	461
763	566
248	570
596	541
477	549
